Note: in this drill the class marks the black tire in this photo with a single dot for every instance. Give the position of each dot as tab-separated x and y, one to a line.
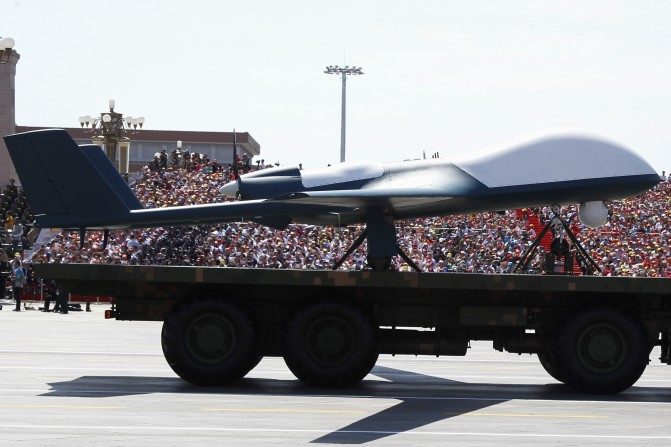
600	350
548	365
545	357
210	342
330	345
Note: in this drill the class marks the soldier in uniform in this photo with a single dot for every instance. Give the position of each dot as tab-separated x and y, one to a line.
61	300
50	295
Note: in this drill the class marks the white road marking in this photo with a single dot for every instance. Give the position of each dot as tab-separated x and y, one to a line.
73	406
101	352
222	394
323	431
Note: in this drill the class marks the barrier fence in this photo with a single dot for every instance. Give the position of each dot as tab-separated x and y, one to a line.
38	292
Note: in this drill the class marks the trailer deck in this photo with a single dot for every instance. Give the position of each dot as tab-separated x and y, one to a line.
593	333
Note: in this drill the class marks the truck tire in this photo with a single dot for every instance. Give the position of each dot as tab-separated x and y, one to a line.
330	345
545	356
210	342
600	350
548	365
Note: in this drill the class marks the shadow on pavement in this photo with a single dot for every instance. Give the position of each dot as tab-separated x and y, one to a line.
422	399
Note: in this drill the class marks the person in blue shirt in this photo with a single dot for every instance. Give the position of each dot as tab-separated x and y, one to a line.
18	283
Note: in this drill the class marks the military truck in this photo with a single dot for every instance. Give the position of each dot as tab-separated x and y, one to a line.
594	334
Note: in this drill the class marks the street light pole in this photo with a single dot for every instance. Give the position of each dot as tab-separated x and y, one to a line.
343	117
344	72
111	128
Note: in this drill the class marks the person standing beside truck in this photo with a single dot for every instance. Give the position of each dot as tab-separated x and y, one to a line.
18	283
50	295
61	300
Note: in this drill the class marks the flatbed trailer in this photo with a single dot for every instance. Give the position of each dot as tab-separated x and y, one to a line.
594	334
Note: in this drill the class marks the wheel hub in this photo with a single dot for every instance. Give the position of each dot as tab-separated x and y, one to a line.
210	338
330	341
602	348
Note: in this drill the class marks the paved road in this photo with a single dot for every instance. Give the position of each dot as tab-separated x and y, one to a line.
80	380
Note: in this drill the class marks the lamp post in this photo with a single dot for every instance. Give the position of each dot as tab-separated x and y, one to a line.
111	129
344	72
6	46
9	58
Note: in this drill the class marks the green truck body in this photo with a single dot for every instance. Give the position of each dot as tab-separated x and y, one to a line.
590	332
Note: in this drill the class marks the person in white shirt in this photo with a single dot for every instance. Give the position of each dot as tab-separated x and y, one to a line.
17	234
132	243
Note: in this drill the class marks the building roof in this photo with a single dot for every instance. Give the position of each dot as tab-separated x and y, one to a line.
244	139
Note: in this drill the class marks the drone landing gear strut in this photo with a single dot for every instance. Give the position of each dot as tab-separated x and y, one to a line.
380	233
559	247
82	238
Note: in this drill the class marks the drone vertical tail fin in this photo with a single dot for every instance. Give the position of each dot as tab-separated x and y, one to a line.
65	183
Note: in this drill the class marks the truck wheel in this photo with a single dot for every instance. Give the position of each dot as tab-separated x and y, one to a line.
330	344
545	357
600	351
210	342
548	365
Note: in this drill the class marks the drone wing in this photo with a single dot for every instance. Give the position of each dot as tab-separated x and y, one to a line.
394	198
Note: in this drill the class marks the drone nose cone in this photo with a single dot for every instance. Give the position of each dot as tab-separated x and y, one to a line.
229	190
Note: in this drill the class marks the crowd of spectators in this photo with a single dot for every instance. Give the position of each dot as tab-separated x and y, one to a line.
15	217
15	220
14	205
634	241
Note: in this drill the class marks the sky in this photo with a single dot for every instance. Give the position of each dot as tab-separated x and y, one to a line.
440	76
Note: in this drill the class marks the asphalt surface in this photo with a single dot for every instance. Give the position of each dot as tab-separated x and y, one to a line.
78	379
